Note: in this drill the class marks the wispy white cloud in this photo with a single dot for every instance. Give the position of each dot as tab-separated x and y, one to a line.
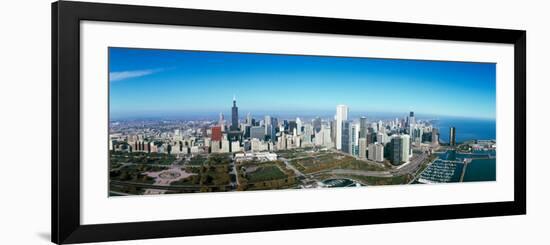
123	75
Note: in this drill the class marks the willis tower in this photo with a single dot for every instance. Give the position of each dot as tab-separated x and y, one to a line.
235	133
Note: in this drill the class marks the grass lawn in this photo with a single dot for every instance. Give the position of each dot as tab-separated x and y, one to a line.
265	173
327	161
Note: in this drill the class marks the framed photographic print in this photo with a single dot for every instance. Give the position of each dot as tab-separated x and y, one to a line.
176	122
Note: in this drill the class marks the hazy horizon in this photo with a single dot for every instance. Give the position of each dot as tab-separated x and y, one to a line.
285	115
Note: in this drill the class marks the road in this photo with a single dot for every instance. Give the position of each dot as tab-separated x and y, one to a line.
361	172
234	171
411	167
289	166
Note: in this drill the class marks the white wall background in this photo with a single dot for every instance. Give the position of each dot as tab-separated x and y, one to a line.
25	121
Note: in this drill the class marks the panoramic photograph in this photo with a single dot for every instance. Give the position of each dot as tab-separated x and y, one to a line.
183	121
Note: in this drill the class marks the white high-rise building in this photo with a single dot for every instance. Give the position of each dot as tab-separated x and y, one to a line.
225	146
235	146
363	148
215	146
405	154
267	123
297	141
379	149
376	152
319	138
355	137
221	122
299	126
327	142
382	138
372	152
308	131
255	145
341	116
281	141
289	143
374	127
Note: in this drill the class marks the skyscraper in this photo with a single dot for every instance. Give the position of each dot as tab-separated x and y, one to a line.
381	138
235	146
355	139
317	124
248	119
363	127
435	136
221	122
234	115
376	152
333	131
292	126
327	138
267	124
452	136
379	152
412	120
308	131
405	147
234	133
362	148
345	141
257	132
371	136
396	150
216	133
299	125
341	116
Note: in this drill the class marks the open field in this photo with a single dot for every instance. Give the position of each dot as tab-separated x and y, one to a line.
330	160
254	175
265	173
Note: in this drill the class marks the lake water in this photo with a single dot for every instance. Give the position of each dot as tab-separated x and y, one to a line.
466	129
481	168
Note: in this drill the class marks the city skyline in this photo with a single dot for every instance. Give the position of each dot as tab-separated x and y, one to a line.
247	122
157	83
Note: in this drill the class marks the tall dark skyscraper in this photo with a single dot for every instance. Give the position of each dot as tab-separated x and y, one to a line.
291	126
396	153
452	136
317	124
234	115
333	130
363	127
346	137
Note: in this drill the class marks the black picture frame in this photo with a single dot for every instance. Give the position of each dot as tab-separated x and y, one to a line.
66	18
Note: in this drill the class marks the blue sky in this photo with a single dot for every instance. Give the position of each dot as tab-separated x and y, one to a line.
147	82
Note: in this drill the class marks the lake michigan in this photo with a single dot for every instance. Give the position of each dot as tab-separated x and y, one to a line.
480	169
